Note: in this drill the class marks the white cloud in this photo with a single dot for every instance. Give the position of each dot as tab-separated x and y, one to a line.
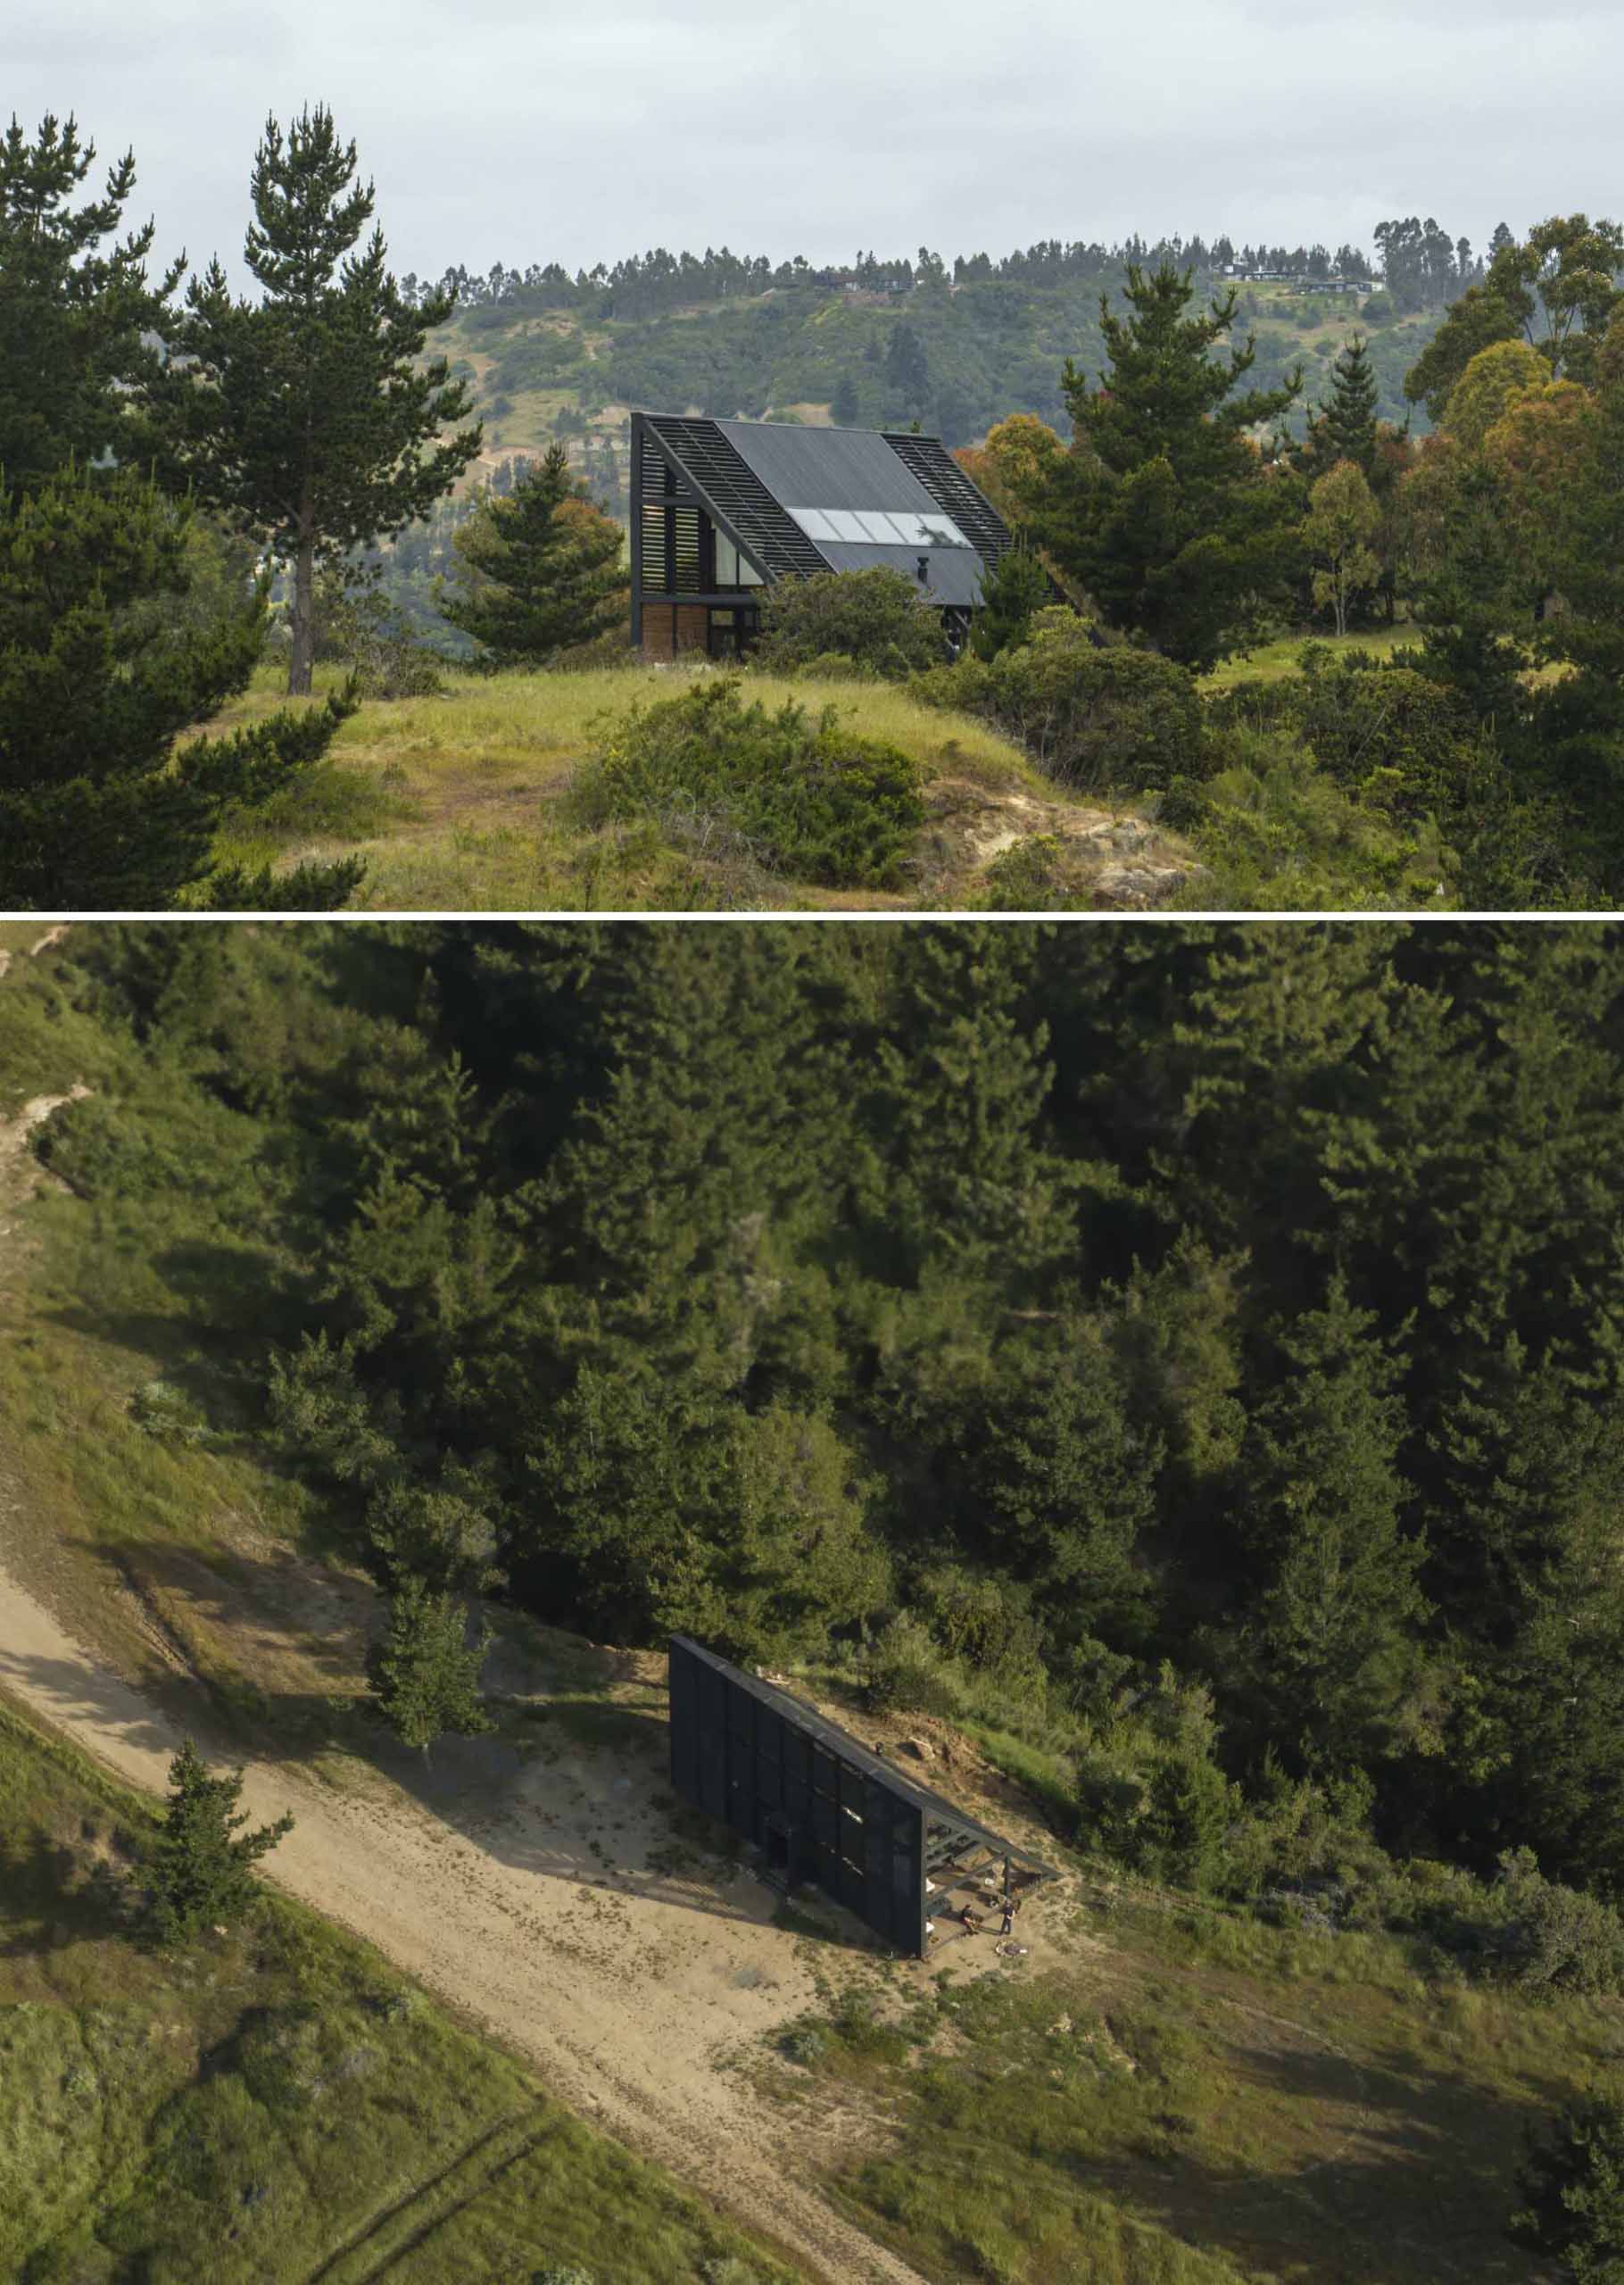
531	130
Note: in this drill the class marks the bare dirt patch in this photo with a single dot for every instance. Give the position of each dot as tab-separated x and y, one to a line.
539	1884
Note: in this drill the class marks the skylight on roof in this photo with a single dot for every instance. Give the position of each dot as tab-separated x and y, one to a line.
813	523
879	527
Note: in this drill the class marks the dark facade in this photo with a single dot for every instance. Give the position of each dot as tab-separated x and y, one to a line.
722	509
827	1812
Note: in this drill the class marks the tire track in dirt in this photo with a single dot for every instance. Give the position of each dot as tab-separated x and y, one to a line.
622	2000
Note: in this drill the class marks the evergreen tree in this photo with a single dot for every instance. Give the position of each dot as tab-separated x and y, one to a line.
541	567
1164	512
844	409
1348	420
908	374
103	667
74	365
1014	590
1338	1598
1573	2184
312	417
200	1868
425	1673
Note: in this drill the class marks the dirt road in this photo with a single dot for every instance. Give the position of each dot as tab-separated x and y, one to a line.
541	1898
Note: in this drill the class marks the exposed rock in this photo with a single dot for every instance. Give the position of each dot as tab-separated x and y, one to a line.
1057	855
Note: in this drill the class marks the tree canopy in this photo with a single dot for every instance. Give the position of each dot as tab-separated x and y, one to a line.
1165	511
312	416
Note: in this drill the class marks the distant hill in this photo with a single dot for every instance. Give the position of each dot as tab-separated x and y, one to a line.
552	361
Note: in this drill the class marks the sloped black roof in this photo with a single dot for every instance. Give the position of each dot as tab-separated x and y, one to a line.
751	473
843	1744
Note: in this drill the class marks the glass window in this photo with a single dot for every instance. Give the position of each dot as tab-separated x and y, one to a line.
844	526
727	561
878	528
942	531
813	523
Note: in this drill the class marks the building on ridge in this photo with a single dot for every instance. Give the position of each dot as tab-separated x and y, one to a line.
722	509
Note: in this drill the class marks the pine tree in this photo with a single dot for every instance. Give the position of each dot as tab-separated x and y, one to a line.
200	1868
907	373
74	364
311	416
1164	512
1014	590
1349	425
844	409
542	569
425	1673
1338	1598
1573	2184
105	662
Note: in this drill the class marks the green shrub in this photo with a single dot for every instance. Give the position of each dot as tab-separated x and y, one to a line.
169	1414
1573	2185
805	796
358	627
903	1672
1190	1806
1551	1937
873	619
1092	716
1274	830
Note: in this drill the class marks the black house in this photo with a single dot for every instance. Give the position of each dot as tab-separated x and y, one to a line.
721	509
823	1809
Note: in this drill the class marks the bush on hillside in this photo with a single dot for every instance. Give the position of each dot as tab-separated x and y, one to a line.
1572	2185
875	620
1092	716
805	794
1274	830
903	1672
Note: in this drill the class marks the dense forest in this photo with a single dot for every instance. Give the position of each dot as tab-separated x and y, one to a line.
1221	1327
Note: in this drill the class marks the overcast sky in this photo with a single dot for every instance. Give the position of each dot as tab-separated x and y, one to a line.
526	131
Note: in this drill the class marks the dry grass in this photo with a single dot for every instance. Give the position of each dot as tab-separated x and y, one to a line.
457	802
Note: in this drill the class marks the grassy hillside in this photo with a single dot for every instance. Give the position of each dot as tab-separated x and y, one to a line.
1163	2092
462	802
276	2105
991	348
1172	2093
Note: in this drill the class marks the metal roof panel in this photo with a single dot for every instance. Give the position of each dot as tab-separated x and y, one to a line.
827	468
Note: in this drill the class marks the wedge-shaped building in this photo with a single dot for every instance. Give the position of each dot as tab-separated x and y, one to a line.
826	1811
722	509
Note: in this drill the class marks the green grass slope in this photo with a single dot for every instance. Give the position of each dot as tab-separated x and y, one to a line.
278	2105
462	803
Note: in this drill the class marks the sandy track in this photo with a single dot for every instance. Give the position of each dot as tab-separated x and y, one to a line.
625	1986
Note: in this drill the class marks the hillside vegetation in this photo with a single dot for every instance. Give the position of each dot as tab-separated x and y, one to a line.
1175	2088
984	350
473	799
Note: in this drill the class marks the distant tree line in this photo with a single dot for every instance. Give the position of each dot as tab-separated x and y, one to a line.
648	284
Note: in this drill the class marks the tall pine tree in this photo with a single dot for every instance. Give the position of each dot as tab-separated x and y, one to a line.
1165	511
1347	425
311	416
542	569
